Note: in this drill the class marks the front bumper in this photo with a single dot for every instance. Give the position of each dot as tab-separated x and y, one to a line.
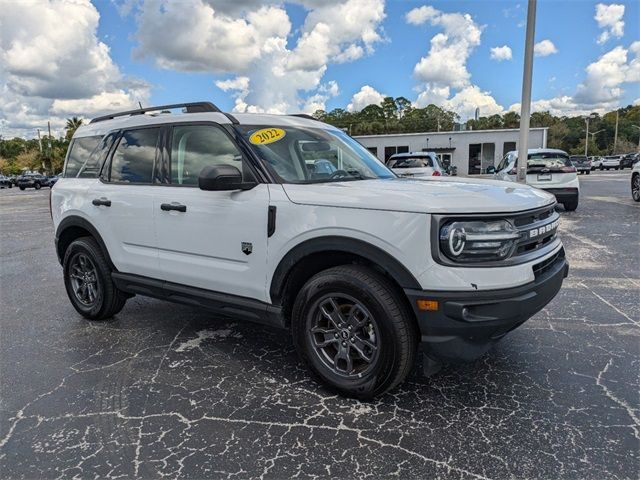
467	324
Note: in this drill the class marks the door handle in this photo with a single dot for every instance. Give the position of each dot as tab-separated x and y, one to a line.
101	201
167	207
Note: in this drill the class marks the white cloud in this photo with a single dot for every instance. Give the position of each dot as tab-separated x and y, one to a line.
250	40
444	68
445	63
52	63
610	18
465	102
544	48
501	53
367	95
602	88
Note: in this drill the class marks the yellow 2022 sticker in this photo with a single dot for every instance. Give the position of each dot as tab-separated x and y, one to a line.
267	135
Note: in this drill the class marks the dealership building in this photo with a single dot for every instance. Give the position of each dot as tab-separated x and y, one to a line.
470	151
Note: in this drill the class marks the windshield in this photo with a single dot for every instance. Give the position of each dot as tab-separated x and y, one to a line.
410	162
313	155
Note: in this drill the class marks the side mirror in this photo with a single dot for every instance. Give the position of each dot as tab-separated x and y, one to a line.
222	177
491	169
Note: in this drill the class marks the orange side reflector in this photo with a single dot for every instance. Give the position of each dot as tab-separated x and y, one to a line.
430	305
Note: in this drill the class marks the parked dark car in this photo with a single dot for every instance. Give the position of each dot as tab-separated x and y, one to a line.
582	163
32	180
5	182
52	180
629	160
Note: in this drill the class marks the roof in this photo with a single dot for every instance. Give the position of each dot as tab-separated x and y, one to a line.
540	150
144	117
449	132
413	155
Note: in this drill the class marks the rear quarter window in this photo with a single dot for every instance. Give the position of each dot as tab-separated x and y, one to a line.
80	159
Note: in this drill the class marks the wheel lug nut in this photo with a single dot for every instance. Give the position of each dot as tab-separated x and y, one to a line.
344	344
353	339
336	335
350	327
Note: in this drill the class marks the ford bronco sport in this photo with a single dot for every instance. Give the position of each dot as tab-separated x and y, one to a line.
242	214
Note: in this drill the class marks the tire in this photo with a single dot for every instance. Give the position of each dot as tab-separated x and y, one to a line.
107	299
635	187
380	319
37	186
601	167
571	206
588	172
22	188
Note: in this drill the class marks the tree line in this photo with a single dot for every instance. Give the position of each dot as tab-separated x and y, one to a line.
392	115
45	154
397	115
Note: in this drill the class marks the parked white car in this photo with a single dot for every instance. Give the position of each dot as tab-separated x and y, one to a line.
635	182
234	213
416	164
612	161
596	162
548	169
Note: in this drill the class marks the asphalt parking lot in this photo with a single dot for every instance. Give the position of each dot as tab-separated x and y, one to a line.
168	390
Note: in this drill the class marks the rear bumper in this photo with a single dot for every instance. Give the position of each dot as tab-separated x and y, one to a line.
564	194
467	324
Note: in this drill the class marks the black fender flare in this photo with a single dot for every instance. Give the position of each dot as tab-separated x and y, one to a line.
375	255
77	221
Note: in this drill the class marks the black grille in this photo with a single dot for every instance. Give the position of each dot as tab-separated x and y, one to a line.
544	266
529	221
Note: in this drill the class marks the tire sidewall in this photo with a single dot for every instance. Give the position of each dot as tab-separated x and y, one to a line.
383	371
82	246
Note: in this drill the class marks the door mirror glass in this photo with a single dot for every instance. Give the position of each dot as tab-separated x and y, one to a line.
222	177
491	169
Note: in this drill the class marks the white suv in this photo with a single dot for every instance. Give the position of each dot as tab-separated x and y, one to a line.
548	169
239	214
415	164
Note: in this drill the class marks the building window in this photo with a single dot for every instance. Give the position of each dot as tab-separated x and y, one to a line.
373	150
488	156
475	152
508	147
389	151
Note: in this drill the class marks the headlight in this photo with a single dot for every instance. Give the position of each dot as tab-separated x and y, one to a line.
476	241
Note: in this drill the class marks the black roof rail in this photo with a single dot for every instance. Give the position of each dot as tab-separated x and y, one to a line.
194	107
303	115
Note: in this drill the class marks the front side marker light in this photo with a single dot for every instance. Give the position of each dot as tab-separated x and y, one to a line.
428	305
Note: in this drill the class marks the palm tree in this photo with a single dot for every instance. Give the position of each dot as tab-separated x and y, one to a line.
72	125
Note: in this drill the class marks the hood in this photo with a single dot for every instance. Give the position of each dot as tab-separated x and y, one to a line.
426	195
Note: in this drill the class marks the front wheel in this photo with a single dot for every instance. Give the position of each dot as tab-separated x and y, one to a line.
37	186
571	206
354	331
22	188
635	187
588	172
87	279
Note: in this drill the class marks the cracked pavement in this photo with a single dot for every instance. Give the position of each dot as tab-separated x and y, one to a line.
167	390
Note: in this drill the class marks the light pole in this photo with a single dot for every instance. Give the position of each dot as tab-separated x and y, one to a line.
586	137
525	104
592	137
636	126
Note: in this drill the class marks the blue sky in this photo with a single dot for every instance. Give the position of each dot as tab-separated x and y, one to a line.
269	56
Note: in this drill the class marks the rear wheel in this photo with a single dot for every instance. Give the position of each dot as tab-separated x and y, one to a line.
354	331
22	188
571	205
37	186
588	172
87	279
635	187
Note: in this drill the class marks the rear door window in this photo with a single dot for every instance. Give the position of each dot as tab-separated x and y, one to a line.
134	158
411	162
